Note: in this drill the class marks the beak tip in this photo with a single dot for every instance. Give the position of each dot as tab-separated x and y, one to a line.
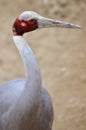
74	26
79	27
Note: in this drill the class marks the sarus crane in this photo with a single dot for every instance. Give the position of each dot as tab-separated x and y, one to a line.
24	103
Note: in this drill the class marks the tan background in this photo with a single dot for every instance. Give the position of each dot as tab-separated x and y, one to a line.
61	54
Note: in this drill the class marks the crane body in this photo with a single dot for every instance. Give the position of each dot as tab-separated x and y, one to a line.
24	103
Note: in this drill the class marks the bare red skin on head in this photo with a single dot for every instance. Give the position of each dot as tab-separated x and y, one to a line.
22	26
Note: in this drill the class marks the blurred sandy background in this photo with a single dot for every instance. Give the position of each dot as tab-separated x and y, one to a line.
61	54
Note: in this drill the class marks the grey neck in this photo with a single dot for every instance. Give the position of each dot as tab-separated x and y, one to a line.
33	76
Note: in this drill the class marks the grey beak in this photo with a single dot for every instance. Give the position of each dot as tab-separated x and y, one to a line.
47	23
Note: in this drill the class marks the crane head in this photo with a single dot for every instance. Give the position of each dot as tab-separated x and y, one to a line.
30	20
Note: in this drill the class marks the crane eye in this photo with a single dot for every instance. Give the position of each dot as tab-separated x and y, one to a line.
23	24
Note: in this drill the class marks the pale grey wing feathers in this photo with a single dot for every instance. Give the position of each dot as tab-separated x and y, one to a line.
45	114
9	93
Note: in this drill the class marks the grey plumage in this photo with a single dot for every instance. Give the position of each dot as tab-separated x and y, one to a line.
40	118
